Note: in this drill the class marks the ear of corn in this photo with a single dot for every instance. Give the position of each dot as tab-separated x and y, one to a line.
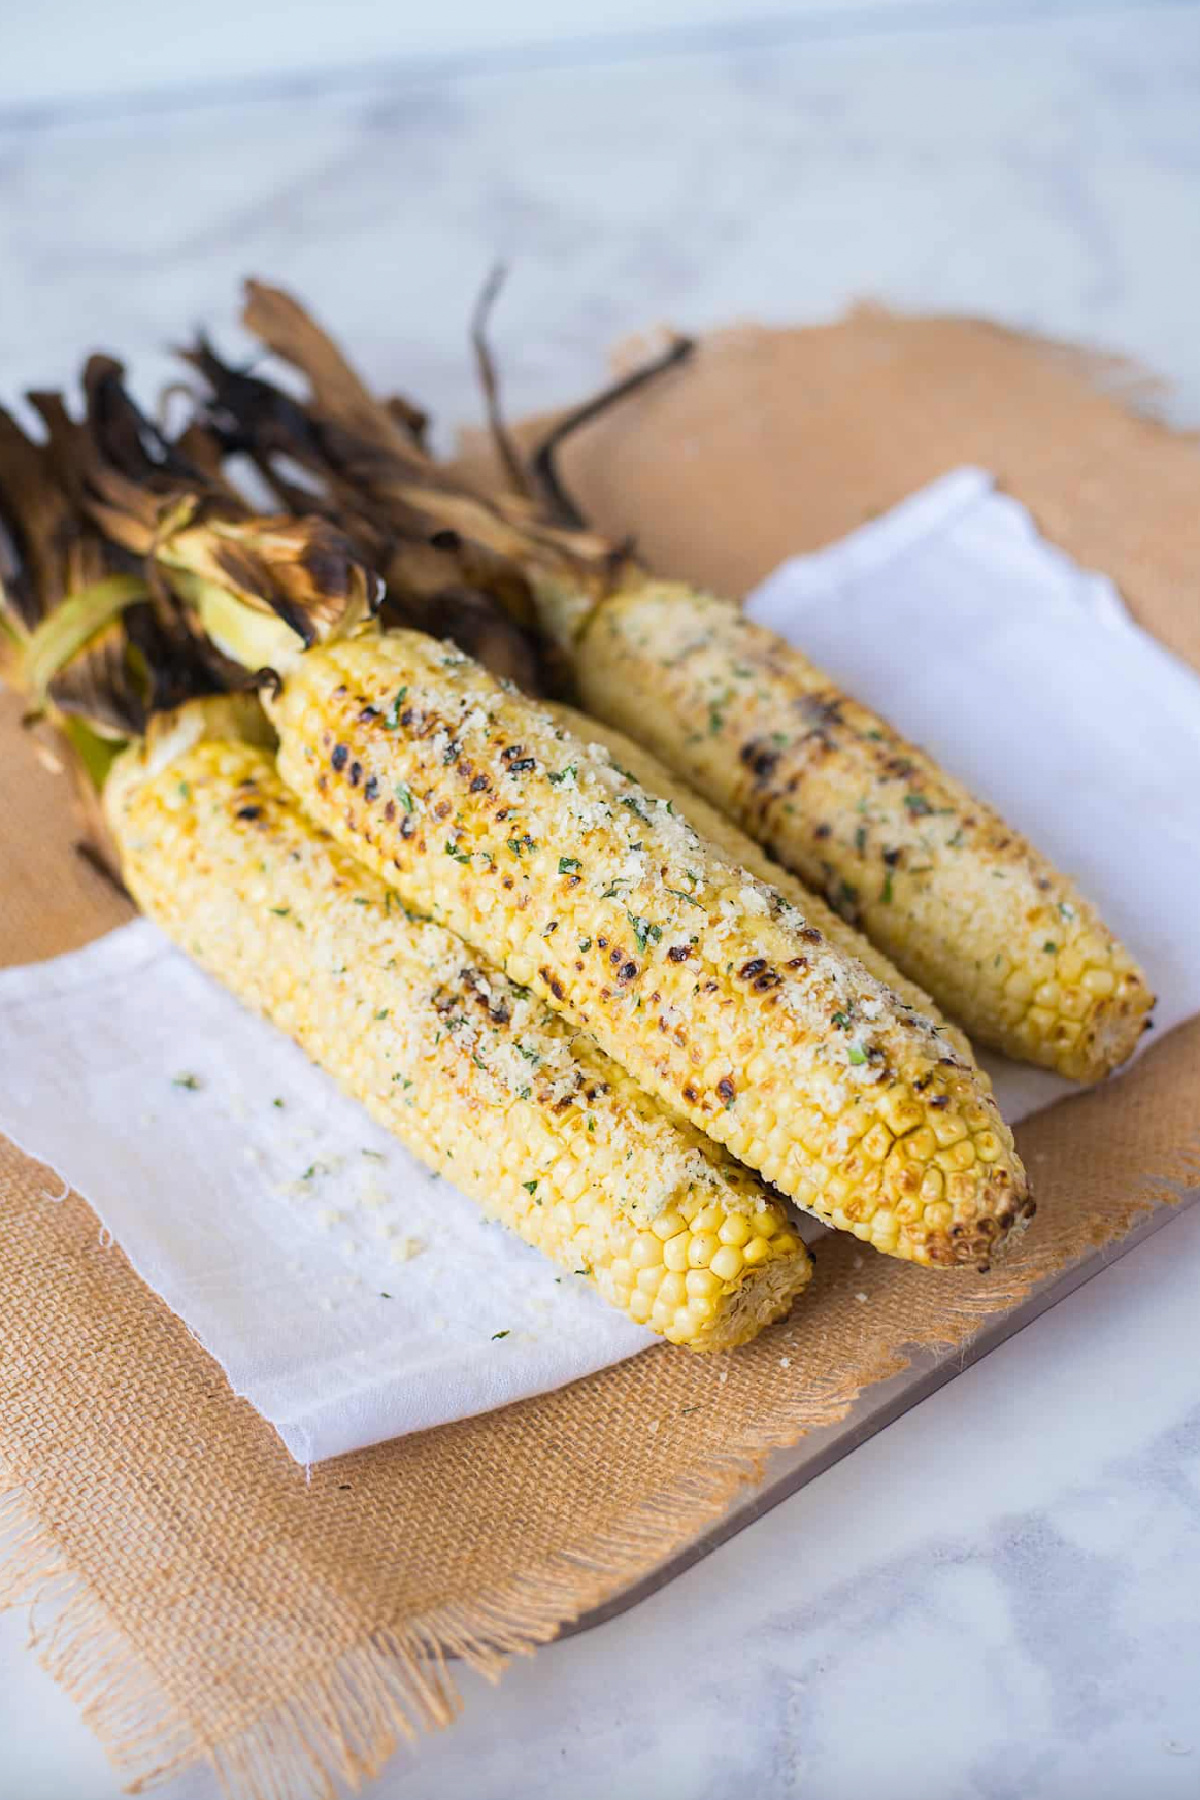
961	903
733	843
710	989
475	1076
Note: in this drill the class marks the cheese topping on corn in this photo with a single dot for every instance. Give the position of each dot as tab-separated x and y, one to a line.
710	987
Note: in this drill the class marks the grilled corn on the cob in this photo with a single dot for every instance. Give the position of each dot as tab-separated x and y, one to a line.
705	984
479	1079
960	902
720	830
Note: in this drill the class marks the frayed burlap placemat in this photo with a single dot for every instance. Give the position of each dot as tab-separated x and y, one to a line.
197	1595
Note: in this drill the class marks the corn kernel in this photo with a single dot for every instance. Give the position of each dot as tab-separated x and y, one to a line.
647	1252
673	1289
675	1251
702	1282
727	1263
736	1230
702	1249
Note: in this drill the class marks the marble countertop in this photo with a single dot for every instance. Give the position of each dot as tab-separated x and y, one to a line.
998	1595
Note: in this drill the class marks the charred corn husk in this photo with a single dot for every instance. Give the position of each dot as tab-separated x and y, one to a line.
477	1078
710	989
958	901
720	830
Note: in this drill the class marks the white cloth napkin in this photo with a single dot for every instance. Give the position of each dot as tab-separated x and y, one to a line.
348	1295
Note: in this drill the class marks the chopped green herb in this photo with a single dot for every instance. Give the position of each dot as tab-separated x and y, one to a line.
585	945
382	1013
462	856
530	1186
498	1334
191	1082
404	796
917	804
277	1103
281	912
567	864
392	717
1066	911
886	895
555	776
529	1055
643	930
373	1155
860	839
855	1055
690	898
842	1021
1050	947
185	790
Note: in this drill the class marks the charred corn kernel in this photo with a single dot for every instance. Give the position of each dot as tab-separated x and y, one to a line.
709	987
965	906
719	829
478	1079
